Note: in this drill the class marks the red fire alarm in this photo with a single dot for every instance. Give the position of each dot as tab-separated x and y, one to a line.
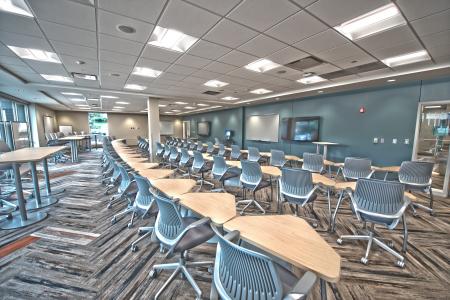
362	109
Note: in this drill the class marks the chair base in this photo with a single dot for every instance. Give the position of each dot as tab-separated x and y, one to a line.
248	203
144	232
179	267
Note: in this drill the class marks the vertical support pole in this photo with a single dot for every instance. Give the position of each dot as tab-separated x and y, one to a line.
46	176
37	192
19	192
153	126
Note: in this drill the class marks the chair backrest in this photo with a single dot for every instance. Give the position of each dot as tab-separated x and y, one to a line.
4	147
221	150
125	179
312	162
235	152
251	174
219	167
159	149
210	148
355	168
379	196
173	153
240	273
166	151
216	141
198	162
416	173
295	183
144	197
168	223
253	154
277	158
200	146
184	156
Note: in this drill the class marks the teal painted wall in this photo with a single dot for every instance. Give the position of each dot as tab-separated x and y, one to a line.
390	113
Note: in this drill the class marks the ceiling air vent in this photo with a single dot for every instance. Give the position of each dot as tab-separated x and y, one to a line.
304	63
367	67
334	75
211	93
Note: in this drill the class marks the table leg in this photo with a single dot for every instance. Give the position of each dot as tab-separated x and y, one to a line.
318	149
49	191
386	175
323	289
47	199
37	192
333	221
325	151
23	218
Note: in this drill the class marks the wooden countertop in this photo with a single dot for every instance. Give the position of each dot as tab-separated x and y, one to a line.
142	166
73	138
394	169
29	154
174	187
220	207
155	174
271	171
291	239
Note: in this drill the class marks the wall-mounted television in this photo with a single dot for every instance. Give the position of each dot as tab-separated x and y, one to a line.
300	129
204	128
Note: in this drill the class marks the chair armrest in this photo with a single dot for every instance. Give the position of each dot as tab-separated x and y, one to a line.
303	287
232	236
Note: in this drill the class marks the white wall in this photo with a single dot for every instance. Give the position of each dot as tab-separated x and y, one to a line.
37	114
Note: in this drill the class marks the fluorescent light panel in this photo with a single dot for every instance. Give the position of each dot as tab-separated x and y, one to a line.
373	22
180	103
77	99
262	65
35	54
71	94
82	105
189	107
108	97
171	39
135	87
230	98
118	107
122	102
146	72
162	105
215	83
260	91
18	7
59	78
311	79
84	76
405	59
202	104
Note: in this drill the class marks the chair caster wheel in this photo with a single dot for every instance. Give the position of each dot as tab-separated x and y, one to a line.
153	273
432	213
186	256
242	213
134	248
390	244
9	217
109	206
339	241
314	225
414	214
113	220
198	298
210	269
364	261
130	225
400	263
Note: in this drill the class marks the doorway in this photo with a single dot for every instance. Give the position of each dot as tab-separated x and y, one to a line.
186	129
98	127
432	140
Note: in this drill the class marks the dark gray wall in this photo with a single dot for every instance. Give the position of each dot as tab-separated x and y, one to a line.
390	113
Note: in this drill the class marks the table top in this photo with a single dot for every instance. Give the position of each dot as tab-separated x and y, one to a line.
220	207
29	154
320	179
143	166
174	187
234	163
394	169
155	174
291	239
271	171
325	143
73	138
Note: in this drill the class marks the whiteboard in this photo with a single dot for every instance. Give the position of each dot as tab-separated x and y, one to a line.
262	128
48	124
66	129
166	128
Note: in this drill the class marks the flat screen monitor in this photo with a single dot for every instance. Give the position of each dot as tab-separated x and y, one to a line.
301	129
203	128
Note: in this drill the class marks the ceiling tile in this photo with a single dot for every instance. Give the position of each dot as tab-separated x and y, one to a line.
160	54
187	18
171	76
440	53
18	70
74	50
69	34
322	41
304	3
285	30
218	6
15	24
47	68
111	56
397	50
208	50
436	39
230	34
194	80
25	41
179	69
323	69
193	61
119	45
335	12
393	37
354	61
287	55
340	52
86	83
65	12
415	9
219	67
153	64
11	60
144	10
432	24
261	46
108	67
89	66
109	22
205	74
262	14
237	58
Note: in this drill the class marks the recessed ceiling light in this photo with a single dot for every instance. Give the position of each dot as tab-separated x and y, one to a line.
311	79
320	92
376	21
215	83
77	99
71	94
407	58
180	103
93	99
118	107
230	98
18	7
433	106
136	87
57	78
84	108
82	105
260	91
126	29
189	107
35	54
108	97
202	104
122	102
262	65
80	62
391	80
162	105
176	110
146	72
171	39
84	76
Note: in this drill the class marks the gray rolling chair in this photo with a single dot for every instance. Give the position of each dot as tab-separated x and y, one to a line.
235	152
222	151
277	158
221	172
355	168
144	202
199	168
253	154
297	188
210	149
179	235
159	151
417	176
313	162
200	147
240	273
174	157
252	179
383	203
216	141
166	155
6	207
124	191
185	162
192	146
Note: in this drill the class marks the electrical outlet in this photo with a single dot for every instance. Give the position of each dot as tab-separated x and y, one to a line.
406	141
394	141
375	140
382	140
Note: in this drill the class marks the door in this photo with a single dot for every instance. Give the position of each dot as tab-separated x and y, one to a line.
186	129
432	141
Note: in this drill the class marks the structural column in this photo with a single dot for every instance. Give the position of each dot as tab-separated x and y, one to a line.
153	126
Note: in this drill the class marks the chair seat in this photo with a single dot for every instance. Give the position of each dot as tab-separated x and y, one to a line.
195	236
300	201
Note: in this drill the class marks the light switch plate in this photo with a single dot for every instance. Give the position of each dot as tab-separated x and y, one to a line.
394	141
406	141
382	140
375	140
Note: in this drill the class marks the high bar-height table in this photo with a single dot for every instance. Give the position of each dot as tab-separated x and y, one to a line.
73	145
32	156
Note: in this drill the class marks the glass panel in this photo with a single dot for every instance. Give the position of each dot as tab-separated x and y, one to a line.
7	112
21	113
98	126
434	140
